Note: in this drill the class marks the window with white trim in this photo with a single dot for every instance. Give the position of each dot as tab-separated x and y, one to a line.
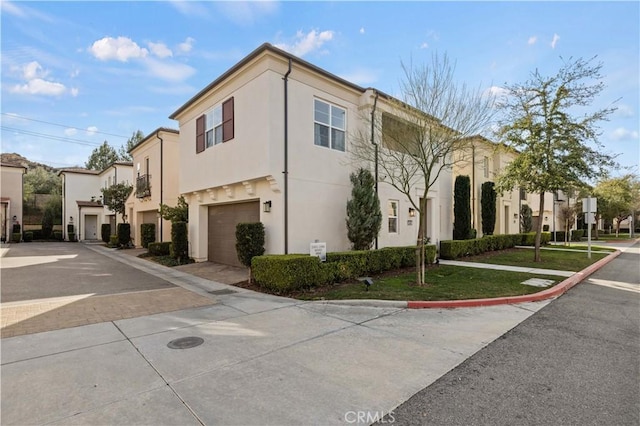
393	216
213	126
485	163
329	125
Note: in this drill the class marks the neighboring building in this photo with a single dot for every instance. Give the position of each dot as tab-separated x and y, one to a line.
155	167
11	196
553	218
483	162
82	203
243	160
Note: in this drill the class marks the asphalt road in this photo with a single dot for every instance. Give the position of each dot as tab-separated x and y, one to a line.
575	362
41	270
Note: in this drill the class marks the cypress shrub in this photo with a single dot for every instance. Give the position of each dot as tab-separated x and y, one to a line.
124	234
249	241
105	232
180	243
364	217
16	228
47	223
462	208
147	234
488	205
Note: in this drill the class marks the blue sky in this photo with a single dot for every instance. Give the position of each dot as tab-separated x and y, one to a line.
77	73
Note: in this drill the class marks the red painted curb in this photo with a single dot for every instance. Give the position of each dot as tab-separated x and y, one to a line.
554	291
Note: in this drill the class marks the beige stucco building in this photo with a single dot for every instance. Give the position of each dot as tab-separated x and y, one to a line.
82	204
270	141
155	168
483	162
11	196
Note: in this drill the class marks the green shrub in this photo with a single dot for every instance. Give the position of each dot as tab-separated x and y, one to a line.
27	237
249	241
147	234
15	237
57	235
160	249
124	234
72	236
455	249
289	272
105	232
113	241
47	223
577	234
180	244
462	208
16	228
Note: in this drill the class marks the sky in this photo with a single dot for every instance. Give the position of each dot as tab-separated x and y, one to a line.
75	74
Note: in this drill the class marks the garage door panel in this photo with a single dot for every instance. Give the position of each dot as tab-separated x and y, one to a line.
222	229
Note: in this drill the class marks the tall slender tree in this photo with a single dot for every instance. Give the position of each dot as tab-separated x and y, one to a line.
488	204
462	208
548	119
364	217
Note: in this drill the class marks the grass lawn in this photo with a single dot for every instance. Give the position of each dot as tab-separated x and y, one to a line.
609	237
445	283
578	246
551	259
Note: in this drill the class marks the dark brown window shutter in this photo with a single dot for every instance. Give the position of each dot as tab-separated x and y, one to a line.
200	134
227	120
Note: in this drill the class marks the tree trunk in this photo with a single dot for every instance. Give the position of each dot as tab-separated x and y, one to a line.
536	251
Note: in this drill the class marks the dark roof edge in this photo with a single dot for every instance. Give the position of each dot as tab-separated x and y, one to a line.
250	57
154	133
79	171
15	166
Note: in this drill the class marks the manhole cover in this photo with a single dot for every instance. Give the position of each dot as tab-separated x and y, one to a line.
185	343
222	292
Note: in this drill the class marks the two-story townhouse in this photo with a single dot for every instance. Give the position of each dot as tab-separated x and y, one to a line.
553	216
155	167
269	140
82	202
11	196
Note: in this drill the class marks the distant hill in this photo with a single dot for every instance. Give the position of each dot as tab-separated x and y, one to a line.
19	160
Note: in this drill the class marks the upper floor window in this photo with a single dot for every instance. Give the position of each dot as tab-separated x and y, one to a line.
485	164
401	135
329	125
215	126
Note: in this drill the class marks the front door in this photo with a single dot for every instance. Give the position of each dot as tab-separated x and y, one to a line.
91	227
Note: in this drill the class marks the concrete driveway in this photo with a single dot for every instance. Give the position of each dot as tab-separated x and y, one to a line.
263	360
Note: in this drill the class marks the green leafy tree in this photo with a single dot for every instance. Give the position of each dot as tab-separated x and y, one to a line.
526	218
102	157
546	119
116	197
249	243
462	208
364	217
135	138
179	213
617	198
488	204
41	181
434	118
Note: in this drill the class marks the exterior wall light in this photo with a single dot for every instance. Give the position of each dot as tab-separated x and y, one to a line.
266	206
412	212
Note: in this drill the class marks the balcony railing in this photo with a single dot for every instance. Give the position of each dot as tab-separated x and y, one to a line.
143	186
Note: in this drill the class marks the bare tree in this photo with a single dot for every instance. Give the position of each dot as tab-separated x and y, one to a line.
417	136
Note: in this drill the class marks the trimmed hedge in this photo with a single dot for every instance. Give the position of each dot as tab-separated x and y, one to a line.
577	234
454	249
57	235
27	236
15	237
249	241
105	232
113	241
180	247
159	249
124	234
286	273
147	234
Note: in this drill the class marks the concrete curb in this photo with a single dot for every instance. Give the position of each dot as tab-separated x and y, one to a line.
555	291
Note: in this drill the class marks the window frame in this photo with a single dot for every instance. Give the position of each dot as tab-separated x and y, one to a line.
485	163
215	125
330	126
390	203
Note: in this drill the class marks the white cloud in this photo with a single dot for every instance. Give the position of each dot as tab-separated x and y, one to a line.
622	134
187	45
497	92
91	130
121	49
12	9
33	70
362	30
624	111
38	86
532	40
556	37
23	11
169	71
424	45
160	50
74	91
190	8
306	43
70	132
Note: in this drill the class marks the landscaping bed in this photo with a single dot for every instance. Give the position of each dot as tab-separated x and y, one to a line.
551	259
